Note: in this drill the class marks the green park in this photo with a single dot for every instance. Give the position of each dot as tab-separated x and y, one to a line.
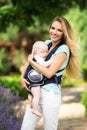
22	22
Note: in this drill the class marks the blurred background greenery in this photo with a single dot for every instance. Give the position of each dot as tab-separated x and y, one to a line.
23	22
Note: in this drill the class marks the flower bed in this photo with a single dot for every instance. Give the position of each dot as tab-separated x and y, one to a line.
8	115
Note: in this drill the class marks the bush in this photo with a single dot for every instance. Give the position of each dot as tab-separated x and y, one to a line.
8	117
71	82
84	100
84	68
13	82
5	61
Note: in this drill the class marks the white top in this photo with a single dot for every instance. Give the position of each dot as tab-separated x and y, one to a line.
63	48
38	59
42	62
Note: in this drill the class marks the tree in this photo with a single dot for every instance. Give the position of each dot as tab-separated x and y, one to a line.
21	12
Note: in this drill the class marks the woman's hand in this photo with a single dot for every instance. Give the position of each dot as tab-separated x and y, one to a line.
30	57
24	82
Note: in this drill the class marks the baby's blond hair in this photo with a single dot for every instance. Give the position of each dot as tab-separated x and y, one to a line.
39	45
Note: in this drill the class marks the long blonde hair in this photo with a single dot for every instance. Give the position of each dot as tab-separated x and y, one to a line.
73	68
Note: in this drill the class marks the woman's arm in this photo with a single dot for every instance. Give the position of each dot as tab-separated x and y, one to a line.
53	68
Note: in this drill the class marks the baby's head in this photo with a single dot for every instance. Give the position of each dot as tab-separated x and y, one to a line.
40	49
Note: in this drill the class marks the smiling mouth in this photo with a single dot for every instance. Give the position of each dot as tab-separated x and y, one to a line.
53	37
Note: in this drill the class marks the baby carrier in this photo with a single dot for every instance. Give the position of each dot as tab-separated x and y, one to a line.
33	77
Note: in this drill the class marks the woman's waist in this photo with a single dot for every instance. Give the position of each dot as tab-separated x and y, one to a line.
52	86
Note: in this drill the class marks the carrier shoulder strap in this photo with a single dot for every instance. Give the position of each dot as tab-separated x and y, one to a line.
55	79
53	50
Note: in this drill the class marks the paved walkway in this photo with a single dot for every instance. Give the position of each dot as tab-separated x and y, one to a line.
71	115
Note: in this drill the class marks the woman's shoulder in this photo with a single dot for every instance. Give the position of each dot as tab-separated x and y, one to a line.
63	48
64	45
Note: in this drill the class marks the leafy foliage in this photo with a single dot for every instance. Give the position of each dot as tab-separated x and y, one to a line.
84	100
79	24
5	62
13	82
21	12
10	34
84	68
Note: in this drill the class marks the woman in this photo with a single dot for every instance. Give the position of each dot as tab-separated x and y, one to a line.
65	59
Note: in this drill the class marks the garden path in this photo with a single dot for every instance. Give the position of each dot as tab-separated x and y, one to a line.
71	115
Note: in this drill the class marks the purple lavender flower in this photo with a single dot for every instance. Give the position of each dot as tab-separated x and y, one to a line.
8	117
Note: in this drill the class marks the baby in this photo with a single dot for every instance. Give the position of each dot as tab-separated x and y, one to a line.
35	79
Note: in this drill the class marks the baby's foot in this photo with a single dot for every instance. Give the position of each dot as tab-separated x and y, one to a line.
36	113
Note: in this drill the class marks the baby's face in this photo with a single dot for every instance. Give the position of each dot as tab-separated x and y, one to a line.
42	52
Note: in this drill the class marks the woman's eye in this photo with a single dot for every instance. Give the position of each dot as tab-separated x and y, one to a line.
52	28
60	30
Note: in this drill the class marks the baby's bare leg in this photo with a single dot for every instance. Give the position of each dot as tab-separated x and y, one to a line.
36	97
30	98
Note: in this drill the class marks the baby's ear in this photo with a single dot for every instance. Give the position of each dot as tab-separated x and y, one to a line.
33	52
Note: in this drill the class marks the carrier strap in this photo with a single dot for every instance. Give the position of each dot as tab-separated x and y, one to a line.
55	79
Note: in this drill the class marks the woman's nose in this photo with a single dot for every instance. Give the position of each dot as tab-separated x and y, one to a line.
54	31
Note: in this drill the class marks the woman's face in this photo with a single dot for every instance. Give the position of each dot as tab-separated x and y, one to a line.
56	32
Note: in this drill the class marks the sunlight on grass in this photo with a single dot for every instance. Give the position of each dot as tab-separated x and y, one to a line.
10	77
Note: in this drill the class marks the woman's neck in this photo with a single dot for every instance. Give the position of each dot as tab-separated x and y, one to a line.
54	43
